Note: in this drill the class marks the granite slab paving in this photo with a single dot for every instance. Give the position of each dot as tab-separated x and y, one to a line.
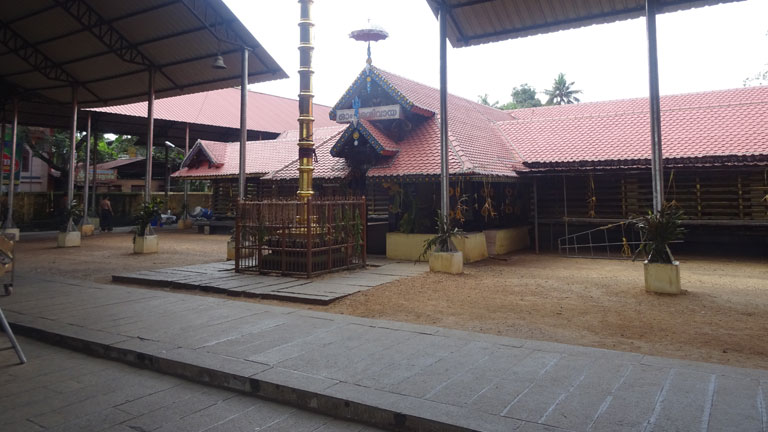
393	375
61	390
221	278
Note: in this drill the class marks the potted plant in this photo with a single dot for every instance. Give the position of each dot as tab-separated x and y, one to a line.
69	235
145	240
443	256
657	231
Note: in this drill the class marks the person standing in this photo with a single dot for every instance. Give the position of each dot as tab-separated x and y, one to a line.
106	214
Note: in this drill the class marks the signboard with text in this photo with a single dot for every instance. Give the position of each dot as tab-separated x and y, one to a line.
7	158
388	112
101	175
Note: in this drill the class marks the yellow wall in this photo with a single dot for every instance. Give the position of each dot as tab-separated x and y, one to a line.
502	241
409	246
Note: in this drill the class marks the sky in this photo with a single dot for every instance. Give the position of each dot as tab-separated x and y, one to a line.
708	48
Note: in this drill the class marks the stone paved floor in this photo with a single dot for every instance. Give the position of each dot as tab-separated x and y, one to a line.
61	390
420	373
221	278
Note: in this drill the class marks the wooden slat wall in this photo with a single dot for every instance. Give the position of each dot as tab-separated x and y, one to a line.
734	195
225	192
377	199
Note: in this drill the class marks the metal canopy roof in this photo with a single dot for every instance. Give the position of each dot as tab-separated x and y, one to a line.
475	22
107	47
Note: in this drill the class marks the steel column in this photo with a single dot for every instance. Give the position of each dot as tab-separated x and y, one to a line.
87	168
565	209
167	179
657	164
2	147
93	177
72	156
536	214
444	174
186	182
150	134
11	172
243	123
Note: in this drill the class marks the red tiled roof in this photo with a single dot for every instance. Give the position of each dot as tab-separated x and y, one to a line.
222	108
326	166
699	127
262	157
476	145
383	144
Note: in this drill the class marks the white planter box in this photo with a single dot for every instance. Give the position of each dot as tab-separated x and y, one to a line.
145	244
13	232
68	239
446	262
662	278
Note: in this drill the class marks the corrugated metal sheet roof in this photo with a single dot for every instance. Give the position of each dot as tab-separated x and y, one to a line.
474	22
106	48
266	113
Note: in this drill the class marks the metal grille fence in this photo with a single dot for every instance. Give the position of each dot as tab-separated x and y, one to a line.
300	239
614	241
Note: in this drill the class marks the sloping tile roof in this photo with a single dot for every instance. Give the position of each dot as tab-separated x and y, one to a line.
710	127
262	157
266	113
326	166
476	145
381	143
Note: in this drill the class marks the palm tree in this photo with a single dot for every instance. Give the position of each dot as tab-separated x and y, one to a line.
561	92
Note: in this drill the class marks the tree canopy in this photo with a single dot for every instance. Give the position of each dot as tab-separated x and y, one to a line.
522	97
525	97
483	99
562	92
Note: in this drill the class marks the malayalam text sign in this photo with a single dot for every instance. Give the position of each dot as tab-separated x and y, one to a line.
388	112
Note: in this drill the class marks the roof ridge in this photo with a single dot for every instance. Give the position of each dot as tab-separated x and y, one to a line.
645	98
437	89
629	113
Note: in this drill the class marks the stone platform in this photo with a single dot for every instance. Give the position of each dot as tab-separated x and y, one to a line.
61	390
392	375
221	278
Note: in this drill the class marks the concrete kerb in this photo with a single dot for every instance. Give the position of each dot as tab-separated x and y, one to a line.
288	391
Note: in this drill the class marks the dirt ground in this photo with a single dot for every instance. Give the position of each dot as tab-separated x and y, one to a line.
102	255
597	303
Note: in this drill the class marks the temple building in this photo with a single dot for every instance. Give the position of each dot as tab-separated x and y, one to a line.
522	175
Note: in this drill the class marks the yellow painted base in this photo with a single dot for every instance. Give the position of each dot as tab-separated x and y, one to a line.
446	262
86	230
184	224
472	246
145	244
230	249
68	239
503	241
662	278
405	247
408	247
